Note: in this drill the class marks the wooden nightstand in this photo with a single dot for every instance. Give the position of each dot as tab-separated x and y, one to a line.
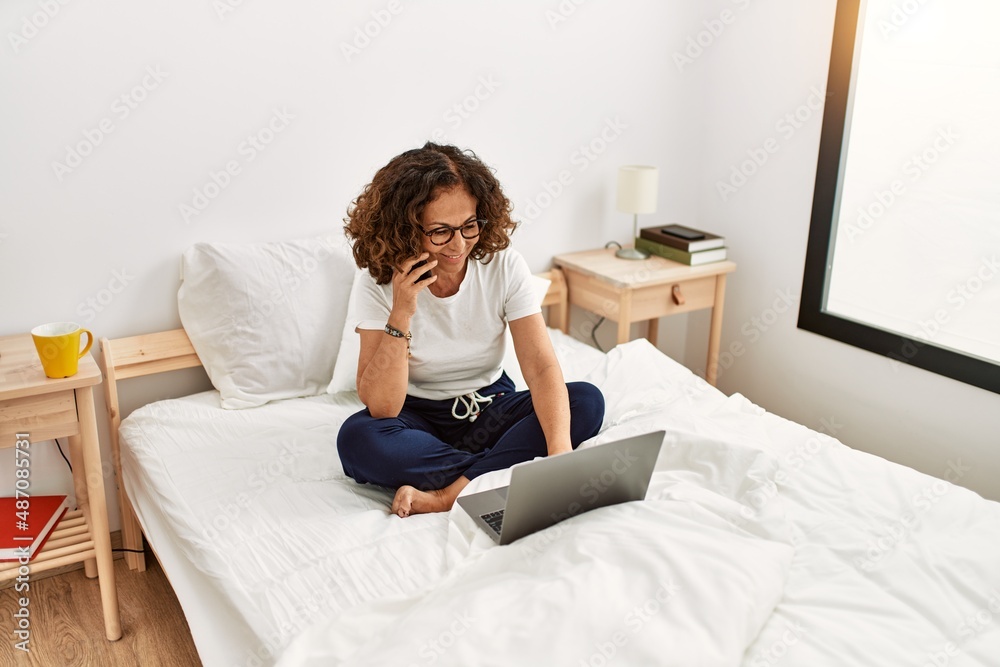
628	291
43	408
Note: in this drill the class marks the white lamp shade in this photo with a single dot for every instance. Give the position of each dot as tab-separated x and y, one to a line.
637	189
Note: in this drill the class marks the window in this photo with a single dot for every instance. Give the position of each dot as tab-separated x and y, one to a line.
904	244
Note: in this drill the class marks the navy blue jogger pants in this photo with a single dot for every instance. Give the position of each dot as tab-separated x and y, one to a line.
428	448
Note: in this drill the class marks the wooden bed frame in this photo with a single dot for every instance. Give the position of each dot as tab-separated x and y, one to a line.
148	354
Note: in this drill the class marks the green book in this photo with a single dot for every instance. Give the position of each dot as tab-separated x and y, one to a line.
678	255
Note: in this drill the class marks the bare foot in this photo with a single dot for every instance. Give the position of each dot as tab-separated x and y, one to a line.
410	500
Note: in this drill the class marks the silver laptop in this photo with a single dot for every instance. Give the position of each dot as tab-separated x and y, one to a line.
546	491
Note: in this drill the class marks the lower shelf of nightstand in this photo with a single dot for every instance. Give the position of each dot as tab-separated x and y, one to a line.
69	543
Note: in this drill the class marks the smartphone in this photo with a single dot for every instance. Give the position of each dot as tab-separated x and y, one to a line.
683	232
427	274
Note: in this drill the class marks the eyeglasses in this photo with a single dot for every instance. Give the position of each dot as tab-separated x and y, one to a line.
444	234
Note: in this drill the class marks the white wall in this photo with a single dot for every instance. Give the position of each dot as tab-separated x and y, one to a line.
101	244
764	66
539	90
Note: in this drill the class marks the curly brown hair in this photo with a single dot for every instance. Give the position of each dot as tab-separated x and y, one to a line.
383	223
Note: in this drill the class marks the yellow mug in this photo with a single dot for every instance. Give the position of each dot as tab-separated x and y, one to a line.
58	345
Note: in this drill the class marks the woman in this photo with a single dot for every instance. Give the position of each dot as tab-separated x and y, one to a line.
433	228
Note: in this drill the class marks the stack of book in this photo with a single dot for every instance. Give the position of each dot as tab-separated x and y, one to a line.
682	244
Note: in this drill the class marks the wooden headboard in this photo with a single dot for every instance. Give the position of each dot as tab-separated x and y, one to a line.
556	300
148	354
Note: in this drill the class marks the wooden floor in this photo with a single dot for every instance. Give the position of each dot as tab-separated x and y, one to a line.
67	625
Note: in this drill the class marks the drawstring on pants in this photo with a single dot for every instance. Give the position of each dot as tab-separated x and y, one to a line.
471	402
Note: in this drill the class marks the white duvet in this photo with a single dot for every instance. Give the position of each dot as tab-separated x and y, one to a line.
761	543
672	580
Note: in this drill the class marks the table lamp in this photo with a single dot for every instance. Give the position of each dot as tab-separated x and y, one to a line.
637	189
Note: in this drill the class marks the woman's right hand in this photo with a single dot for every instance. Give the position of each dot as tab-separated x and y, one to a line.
382	360
406	284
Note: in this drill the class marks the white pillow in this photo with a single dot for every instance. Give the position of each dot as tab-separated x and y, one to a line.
345	373
266	318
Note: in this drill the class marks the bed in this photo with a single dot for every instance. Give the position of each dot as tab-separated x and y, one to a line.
761	542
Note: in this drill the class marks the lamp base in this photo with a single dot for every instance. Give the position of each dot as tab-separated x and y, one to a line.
631	253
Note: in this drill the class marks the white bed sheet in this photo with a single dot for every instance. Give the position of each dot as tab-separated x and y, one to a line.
256	525
888	566
220	634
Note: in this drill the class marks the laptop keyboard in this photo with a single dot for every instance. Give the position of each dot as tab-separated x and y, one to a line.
494	520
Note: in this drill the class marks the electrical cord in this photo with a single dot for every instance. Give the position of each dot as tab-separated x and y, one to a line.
593	334
63	455
59	447
593	330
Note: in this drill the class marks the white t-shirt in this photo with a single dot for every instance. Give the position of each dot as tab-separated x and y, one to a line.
458	341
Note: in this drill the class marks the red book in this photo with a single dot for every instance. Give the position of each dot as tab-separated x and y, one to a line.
28	525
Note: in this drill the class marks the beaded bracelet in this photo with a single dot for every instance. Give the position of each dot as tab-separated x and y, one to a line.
396	333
